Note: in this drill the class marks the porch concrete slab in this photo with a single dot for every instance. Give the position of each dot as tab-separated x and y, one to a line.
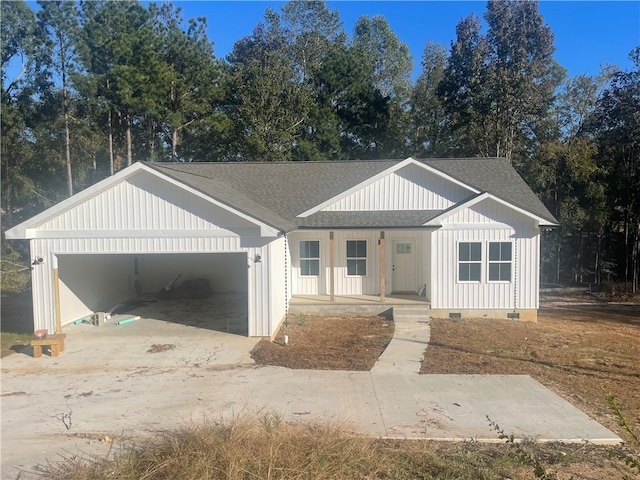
352	304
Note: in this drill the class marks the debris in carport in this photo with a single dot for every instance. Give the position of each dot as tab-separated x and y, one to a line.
126	307
191	289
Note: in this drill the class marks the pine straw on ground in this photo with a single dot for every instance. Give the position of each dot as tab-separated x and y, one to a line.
327	343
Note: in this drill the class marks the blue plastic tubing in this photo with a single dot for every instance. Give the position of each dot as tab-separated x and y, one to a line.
127	320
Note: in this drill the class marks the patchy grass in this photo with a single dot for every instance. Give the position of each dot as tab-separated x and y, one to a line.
17	321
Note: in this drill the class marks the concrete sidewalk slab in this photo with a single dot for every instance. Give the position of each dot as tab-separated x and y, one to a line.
458	407
411	335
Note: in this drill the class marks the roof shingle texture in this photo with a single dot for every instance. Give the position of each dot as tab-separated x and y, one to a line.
276	193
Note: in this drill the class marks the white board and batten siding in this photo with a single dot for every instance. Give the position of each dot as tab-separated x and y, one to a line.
485	222
141	203
409	188
343	284
145	215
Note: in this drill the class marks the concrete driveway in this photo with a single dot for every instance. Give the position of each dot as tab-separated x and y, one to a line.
149	375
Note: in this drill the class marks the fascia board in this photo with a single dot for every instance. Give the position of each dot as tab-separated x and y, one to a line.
437	221
164	233
384	173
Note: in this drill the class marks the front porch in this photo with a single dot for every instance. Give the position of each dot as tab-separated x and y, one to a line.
355	304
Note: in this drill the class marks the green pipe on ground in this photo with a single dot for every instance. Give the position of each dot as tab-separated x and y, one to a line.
127	320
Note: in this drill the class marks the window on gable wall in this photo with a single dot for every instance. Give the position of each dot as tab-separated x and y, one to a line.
500	261
469	261
309	257
356	257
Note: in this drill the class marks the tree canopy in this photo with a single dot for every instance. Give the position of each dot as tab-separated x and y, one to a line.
90	87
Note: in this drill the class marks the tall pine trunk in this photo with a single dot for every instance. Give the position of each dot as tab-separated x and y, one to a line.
110	121
129	140
174	145
67	136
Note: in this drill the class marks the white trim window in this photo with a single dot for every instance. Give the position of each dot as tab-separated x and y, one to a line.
309	258
500	257
356	258
469	261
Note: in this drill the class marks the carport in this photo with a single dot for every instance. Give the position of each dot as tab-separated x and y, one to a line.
122	241
208	290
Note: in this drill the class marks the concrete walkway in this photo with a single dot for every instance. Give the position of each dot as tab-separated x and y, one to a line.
410	339
111	381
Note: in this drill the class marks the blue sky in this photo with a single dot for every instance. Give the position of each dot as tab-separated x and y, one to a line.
588	34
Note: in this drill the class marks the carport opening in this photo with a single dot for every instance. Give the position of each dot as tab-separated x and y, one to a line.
196	289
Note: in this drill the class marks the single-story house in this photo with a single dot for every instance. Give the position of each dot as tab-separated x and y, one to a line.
463	233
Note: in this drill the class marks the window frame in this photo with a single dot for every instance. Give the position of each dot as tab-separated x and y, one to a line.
500	262
357	258
308	258
469	262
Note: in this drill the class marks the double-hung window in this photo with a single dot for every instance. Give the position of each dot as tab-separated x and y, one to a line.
309	258
500	261
357	257
469	261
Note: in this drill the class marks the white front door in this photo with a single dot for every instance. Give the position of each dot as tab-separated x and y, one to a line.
404	266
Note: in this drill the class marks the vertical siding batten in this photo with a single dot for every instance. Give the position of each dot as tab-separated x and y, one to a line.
411	188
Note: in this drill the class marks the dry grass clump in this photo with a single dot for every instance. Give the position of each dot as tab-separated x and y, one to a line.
12	342
268	448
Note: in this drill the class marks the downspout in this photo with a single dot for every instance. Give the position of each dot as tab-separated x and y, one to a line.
382	268
286	284
332	297
56	295
515	275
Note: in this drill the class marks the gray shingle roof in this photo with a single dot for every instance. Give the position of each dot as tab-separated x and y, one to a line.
378	219
495	176
276	193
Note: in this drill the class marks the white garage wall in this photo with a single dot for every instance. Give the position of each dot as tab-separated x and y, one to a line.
279	282
91	283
